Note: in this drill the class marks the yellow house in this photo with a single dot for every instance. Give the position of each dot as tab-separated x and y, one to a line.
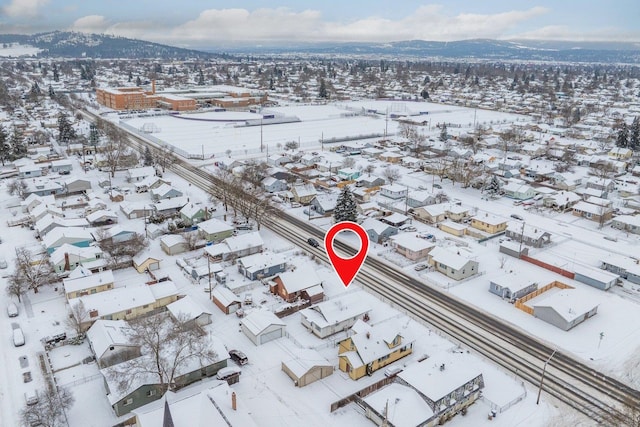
620	153
83	283
371	348
453	228
489	223
143	262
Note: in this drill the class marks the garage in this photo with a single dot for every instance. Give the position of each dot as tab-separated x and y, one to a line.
262	326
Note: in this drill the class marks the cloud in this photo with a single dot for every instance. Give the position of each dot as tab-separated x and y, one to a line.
563	33
23	8
90	24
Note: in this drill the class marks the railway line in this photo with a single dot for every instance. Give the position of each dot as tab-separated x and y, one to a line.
600	397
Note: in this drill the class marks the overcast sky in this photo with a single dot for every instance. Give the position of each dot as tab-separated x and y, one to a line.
202	23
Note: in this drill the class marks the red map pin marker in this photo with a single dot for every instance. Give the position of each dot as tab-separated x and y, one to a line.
347	268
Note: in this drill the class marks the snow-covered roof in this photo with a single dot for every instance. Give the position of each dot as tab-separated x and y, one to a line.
57	256
117	300
174	203
302	278
570	304
188	308
598	274
305	359
336	310
513	281
448	258
172	239
189	210
628	219
405	407
427	378
163	289
411	242
372	342
213	226
86	282
376	225
244	241
106	333
225	296
141	172
58	233
259	320
94	216
261	261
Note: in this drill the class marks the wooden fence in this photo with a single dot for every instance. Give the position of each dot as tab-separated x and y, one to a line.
520	303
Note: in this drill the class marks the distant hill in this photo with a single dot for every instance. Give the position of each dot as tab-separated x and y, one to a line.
529	50
77	45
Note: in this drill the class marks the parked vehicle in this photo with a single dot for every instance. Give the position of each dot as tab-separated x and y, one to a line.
18	337
420	267
239	357
31	397
12	310
516	216
313	242
225	373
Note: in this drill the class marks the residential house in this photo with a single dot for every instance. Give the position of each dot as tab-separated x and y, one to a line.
594	212
453	265
604	185
76	236
561	201
262	326
427	393
518	191
274	185
303	283
144	262
174	244
625	267
76	185
236	246
565	309
278	160
372	348
512	286
303	193
454	228
169	207
188	311
335	315
457	213
310	159
48	222
411	247
116	234
620	153
149	183
394	191
391	157
165	191
110	342
34	200
349	174
527	234
101	217
378	231
145	387
261	265
431	214
62	165
139	174
412	162
133	210
68	257
369	181
415	199
225	300
29	171
595	277
44	187
126	302
395	219
205	404
491	224
193	213
214	230
88	284
627	223
306	366
324	204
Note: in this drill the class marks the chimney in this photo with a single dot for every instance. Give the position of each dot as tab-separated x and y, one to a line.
67	265
153	87
368	334
233	401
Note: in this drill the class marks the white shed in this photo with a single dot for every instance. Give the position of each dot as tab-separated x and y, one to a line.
262	326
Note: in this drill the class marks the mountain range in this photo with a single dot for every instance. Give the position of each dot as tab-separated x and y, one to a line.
77	45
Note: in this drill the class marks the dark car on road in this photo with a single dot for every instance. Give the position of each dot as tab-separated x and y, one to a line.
313	242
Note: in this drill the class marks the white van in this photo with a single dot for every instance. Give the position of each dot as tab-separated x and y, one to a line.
18	337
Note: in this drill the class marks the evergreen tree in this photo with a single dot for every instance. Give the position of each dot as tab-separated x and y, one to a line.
65	131
130	76
94	136
18	148
493	187
138	81
201	78
623	136
634	134
322	92
52	94
56	73
346	207
444	137
5	148
148	158
424	94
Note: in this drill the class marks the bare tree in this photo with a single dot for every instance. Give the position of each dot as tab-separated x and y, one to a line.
116	146
120	251
50	409
348	162
254	172
391	174
30	273
168	346
78	316
225	188
18	188
162	156
369	169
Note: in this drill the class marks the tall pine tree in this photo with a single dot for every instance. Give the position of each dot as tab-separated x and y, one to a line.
18	147
634	134
346	207
148	158
5	148
622	140
65	131
493	187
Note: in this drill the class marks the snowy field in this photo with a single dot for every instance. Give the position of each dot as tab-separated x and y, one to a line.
213	133
15	50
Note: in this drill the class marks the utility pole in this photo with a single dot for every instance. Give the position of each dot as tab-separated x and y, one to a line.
261	134
521	239
209	268
544	369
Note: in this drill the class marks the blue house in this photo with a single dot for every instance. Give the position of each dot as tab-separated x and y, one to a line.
349	174
261	265
165	191
378	231
76	236
511	286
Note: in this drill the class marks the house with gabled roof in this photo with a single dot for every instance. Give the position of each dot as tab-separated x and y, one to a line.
274	185
169	207
76	287
335	315
303	193
76	236
453	265
139	174
302	283
565	309
110	342
134	210
226	300
324	204
236	246
189	311
67	258
372	348
165	191
214	230
491	224
412	247
527	234
378	231
49	222
512	286
261	265
193	213
102	217
415	199
519	191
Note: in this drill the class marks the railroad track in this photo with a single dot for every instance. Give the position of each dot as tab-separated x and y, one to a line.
600	397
